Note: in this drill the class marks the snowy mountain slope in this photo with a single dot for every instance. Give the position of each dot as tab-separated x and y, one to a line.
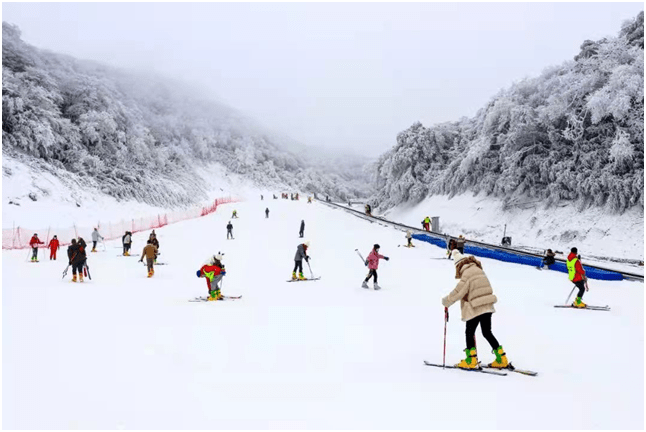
529	223
124	351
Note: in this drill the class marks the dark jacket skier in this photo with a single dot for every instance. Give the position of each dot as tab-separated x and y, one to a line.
301	254
229	230
302	230
77	256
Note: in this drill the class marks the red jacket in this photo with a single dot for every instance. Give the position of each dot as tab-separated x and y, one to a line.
34	242
53	244
210	271
373	260
580	273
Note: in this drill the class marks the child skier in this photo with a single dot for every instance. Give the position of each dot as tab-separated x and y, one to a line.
577	276
34	242
213	272
409	237
373	264
95	238
150	252
301	254
54	245
476	301
127	241
229	230
77	256
234	214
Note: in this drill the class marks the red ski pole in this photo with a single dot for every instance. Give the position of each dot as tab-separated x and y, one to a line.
446	319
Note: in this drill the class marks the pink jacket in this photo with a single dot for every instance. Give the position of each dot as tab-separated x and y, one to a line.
373	260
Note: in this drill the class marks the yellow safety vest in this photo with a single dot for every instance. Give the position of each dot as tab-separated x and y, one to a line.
571	270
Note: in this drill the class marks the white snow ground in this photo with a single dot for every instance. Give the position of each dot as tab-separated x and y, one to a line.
124	351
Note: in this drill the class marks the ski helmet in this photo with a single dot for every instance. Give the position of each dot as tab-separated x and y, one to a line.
376	246
36	234
307	243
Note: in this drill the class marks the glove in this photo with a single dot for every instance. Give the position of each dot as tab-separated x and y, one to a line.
223	273
70	263
386	258
445	302
366	263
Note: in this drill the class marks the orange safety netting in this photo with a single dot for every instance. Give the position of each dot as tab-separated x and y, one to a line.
19	237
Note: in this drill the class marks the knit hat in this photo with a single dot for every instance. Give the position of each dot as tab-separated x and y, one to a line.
457	256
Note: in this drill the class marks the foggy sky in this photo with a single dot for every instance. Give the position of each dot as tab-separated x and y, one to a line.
334	75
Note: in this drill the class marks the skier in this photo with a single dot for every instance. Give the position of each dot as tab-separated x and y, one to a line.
213	272
301	254
409	237
34	242
150	252
368	210
426	223
234	214
309	200
267	212
77	256
576	275
261	198
95	238
127	242
459	243
153	240
476	301
229	230
373	264
301	232
54	245
548	260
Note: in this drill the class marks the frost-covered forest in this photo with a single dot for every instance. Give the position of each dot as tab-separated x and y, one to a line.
139	137
575	133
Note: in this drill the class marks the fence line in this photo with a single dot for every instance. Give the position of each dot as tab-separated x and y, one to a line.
19	237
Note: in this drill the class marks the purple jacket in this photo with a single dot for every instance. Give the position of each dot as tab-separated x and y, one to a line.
373	260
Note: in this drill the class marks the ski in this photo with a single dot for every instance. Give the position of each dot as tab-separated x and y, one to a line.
596	308
482	370
206	299
512	368
406	246
304	280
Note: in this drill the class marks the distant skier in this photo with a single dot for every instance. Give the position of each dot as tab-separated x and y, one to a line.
309	200
150	252
213	272
262	197
577	276
229	230
301	254
459	243
301	232
267	212
476	301
76	255
234	215
373	264
368	210
95	238
548	260
127	242
54	245
34	242
409	237
153	240
426	223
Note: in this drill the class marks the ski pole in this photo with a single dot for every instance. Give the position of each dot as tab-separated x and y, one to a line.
568	297
362	260
446	320
28	253
308	265
65	271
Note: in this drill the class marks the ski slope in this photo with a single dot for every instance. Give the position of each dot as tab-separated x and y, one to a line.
125	351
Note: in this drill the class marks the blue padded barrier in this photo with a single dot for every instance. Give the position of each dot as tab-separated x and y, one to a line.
592	273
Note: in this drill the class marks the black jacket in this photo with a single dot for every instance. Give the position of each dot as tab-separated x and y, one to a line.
229	227
76	254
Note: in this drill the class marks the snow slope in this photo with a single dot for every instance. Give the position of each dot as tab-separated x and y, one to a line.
483	218
124	351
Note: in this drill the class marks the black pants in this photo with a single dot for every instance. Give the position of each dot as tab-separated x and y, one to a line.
77	267
581	286
93	244
34	252
409	242
373	272
298	265
229	233
472	325
300	233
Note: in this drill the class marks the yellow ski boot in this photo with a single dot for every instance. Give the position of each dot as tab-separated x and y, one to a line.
301	277
501	361
74	278
578	303
294	276
81	277
471	362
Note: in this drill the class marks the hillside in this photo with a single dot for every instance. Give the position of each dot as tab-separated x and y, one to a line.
141	138
573	135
